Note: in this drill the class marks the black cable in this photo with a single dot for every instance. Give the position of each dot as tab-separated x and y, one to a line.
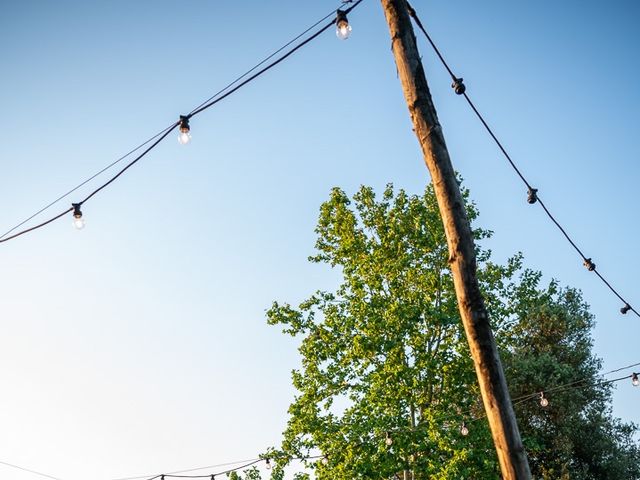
118	160
61	197
249	463
153	145
140	477
203	106
271	65
333	12
533	195
130	164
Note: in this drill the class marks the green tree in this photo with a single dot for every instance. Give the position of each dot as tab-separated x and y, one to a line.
550	344
386	378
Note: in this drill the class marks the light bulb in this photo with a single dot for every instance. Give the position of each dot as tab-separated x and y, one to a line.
464	430
78	221
325	460
388	441
185	135
635	381
543	400
184	138
343	29
268	464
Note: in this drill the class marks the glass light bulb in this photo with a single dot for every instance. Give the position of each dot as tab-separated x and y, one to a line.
268	464
544	402
635	381
325	460
184	137
388	441
464	430
343	30
78	222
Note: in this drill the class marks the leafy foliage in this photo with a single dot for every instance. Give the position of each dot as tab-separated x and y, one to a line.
386	377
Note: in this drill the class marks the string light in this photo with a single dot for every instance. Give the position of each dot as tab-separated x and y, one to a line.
185	130
182	123
78	221
544	402
532	194
634	380
464	430
343	29
325	460
267	464
388	441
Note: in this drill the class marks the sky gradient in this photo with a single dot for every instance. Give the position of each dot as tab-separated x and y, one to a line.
139	345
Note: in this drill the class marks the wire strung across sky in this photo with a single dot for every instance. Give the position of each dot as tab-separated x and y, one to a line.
158	137
467	416
532	193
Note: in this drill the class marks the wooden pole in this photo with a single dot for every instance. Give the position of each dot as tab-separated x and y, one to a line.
462	259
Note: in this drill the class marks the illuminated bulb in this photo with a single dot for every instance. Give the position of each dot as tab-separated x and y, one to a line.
185	135
268	464
543	400
464	430
388	441
325	460
343	29
78	221
634	380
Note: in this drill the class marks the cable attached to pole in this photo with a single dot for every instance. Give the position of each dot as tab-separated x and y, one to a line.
532	193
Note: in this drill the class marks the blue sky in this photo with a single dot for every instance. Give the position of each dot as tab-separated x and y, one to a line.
139	344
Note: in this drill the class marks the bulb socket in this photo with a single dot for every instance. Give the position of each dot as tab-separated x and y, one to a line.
458	86
589	264
77	213
341	19
184	124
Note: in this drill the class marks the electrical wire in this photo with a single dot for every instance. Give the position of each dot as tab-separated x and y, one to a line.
28	470
195	469
163	133
457	82
64	195
245	464
569	387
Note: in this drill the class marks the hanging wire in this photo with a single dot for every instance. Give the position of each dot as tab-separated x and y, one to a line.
195	469
64	195
163	133
28	470
569	387
534	197
467	416
245	464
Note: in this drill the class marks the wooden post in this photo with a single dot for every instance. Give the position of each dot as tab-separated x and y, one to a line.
462	259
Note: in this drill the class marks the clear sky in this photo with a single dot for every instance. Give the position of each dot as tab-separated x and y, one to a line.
139	345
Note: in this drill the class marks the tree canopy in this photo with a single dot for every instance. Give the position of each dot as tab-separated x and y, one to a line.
386	387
